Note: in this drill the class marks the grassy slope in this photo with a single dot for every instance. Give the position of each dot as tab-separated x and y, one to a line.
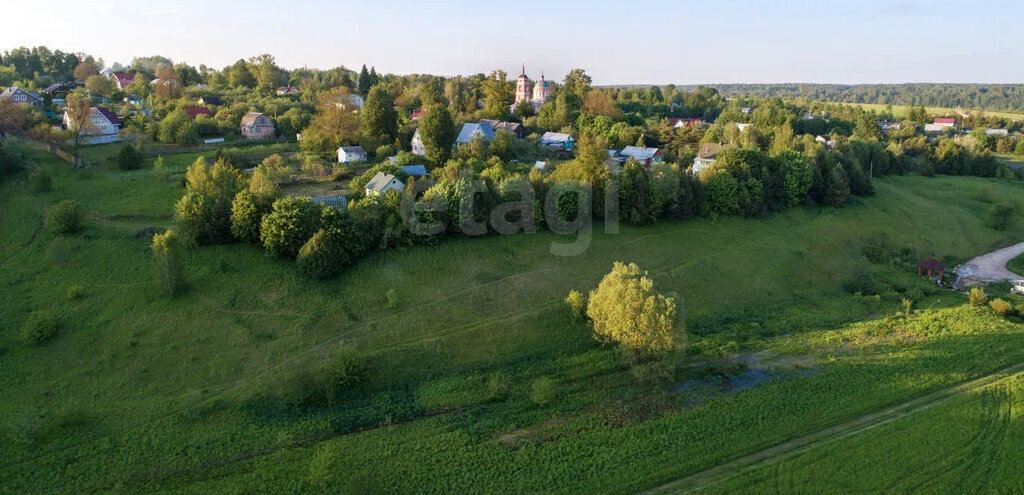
139	391
969	445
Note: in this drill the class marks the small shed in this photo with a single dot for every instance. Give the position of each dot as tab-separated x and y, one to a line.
351	154
932	267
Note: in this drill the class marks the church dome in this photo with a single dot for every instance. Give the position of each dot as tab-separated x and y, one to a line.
541	90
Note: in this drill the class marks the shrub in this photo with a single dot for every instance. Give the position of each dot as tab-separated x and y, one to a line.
392	298
315	259
75	292
977	296
497	387
861	283
247	212
128	158
915	294
384	151
875	254
1000	217
577	303
1001	307
39	328
40	180
542	391
10	161
348	368
167	262
288	226
66	217
908	305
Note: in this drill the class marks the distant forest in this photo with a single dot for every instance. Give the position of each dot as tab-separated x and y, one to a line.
997	97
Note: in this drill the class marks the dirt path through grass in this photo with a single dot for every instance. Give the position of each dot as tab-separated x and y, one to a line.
991	267
770	455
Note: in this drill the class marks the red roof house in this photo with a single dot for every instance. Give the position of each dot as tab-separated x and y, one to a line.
122	79
945	120
417	114
110	116
193	111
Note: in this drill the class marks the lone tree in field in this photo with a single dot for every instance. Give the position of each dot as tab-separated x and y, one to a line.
167	262
625	309
78	105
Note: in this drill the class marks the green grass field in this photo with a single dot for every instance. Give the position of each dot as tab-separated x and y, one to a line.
142	393
967	445
900	110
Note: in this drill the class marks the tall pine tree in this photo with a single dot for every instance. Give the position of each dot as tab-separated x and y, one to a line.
364	81
437	130
379	119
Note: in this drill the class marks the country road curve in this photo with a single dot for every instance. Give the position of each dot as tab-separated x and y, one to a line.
722	472
991	267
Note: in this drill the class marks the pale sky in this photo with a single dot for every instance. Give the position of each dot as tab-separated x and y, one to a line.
617	42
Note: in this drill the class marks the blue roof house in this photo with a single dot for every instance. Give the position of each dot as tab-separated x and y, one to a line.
472	130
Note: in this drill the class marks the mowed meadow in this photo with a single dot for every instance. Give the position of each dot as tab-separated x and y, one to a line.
139	392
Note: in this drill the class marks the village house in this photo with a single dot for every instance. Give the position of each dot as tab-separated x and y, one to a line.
255	125
678	123
417	144
515	128
122	79
57	90
382	183
287	90
646	156
887	125
351	154
558	140
940	125
103	126
707	156
742	126
417	115
826	140
997	132
209	101
20	96
471	131
351	102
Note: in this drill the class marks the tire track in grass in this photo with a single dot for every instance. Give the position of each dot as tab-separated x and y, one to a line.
722	472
